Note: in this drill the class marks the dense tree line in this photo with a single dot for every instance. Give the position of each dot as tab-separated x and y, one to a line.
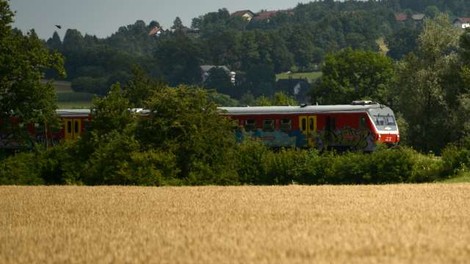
292	40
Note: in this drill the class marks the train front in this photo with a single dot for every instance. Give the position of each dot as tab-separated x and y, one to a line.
385	125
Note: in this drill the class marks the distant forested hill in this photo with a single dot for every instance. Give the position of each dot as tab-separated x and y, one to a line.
256	48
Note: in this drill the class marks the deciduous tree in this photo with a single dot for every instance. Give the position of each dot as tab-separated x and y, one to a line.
352	75
426	97
23	62
184	122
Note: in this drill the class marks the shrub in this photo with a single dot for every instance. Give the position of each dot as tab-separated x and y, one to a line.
455	160
150	168
111	152
390	166
251	160
58	164
285	166
349	168
20	169
313	168
426	168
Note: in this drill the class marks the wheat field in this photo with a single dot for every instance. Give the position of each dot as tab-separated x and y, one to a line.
427	223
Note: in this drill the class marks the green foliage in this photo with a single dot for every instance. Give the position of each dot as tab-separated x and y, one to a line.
185	122
23	62
279	98
353	74
310	76
20	169
429	88
456	158
251	160
111	152
402	42
59	164
88	84
151	168
261	166
380	167
219	80
179	57
140	88
285	166
111	113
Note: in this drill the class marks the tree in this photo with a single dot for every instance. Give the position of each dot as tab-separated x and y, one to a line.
219	80
140	88
184	122
54	43
223	48
352	75
259	80
402	42
177	24
428	87
279	98
23	62
301	44
179	59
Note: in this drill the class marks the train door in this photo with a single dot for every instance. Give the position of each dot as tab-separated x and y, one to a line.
308	126
72	127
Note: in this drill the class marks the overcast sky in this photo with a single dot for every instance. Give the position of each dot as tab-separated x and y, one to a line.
104	17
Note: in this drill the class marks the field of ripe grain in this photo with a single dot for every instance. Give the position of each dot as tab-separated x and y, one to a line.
427	223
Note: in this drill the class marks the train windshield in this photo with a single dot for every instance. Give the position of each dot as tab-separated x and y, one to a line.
384	119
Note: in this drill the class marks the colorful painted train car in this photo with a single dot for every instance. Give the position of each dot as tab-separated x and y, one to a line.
358	126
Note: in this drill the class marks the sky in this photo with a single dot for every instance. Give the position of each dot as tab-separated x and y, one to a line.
102	18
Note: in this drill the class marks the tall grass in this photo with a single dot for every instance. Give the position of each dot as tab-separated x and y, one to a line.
425	223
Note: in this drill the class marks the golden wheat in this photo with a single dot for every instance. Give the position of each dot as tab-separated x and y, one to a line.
427	223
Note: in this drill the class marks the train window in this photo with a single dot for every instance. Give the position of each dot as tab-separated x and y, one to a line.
311	124
390	121
69	126
268	125
380	120
250	125
387	120
330	123
304	124
286	125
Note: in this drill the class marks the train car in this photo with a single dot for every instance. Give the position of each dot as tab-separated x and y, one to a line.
357	126
74	122
15	135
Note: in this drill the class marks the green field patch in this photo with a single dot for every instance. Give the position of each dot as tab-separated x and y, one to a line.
310	76
68	98
462	178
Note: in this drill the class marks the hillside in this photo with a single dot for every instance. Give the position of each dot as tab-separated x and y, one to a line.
256	49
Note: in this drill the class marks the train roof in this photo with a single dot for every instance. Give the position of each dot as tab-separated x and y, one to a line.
73	112
87	112
303	109
263	110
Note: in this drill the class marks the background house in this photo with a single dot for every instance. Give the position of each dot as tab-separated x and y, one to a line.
462	22
245	14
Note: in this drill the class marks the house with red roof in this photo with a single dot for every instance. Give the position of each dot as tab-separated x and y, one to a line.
245	14
462	22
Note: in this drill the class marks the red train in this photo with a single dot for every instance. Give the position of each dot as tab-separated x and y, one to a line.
358	126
